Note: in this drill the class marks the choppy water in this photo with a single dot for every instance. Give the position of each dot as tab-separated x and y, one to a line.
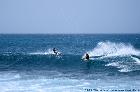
27	63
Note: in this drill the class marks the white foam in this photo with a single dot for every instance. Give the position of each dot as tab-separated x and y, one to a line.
108	49
5	76
43	84
113	64
123	68
137	60
48	52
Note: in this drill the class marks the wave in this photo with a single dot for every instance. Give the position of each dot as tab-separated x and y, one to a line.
48	52
122	67
120	55
109	49
137	60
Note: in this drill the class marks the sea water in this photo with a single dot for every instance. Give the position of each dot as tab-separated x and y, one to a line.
28	64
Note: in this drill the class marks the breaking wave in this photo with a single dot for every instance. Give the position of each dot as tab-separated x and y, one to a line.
109	49
120	55
48	52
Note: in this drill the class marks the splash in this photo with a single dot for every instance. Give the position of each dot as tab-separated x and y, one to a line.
48	52
119	55
108	49
122	67
137	60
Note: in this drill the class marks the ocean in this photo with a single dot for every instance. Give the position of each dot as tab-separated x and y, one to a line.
28	64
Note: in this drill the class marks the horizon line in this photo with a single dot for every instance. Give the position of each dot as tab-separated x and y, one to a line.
69	33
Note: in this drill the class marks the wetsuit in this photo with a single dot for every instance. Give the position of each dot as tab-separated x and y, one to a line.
87	56
54	50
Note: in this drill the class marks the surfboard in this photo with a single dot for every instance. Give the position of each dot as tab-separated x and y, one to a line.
57	53
86	60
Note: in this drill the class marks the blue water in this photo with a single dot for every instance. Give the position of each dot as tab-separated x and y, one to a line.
27	63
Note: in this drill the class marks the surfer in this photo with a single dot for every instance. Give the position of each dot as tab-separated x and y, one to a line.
54	51
87	56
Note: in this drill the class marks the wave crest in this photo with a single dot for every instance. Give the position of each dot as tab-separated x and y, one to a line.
119	55
113	49
48	52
